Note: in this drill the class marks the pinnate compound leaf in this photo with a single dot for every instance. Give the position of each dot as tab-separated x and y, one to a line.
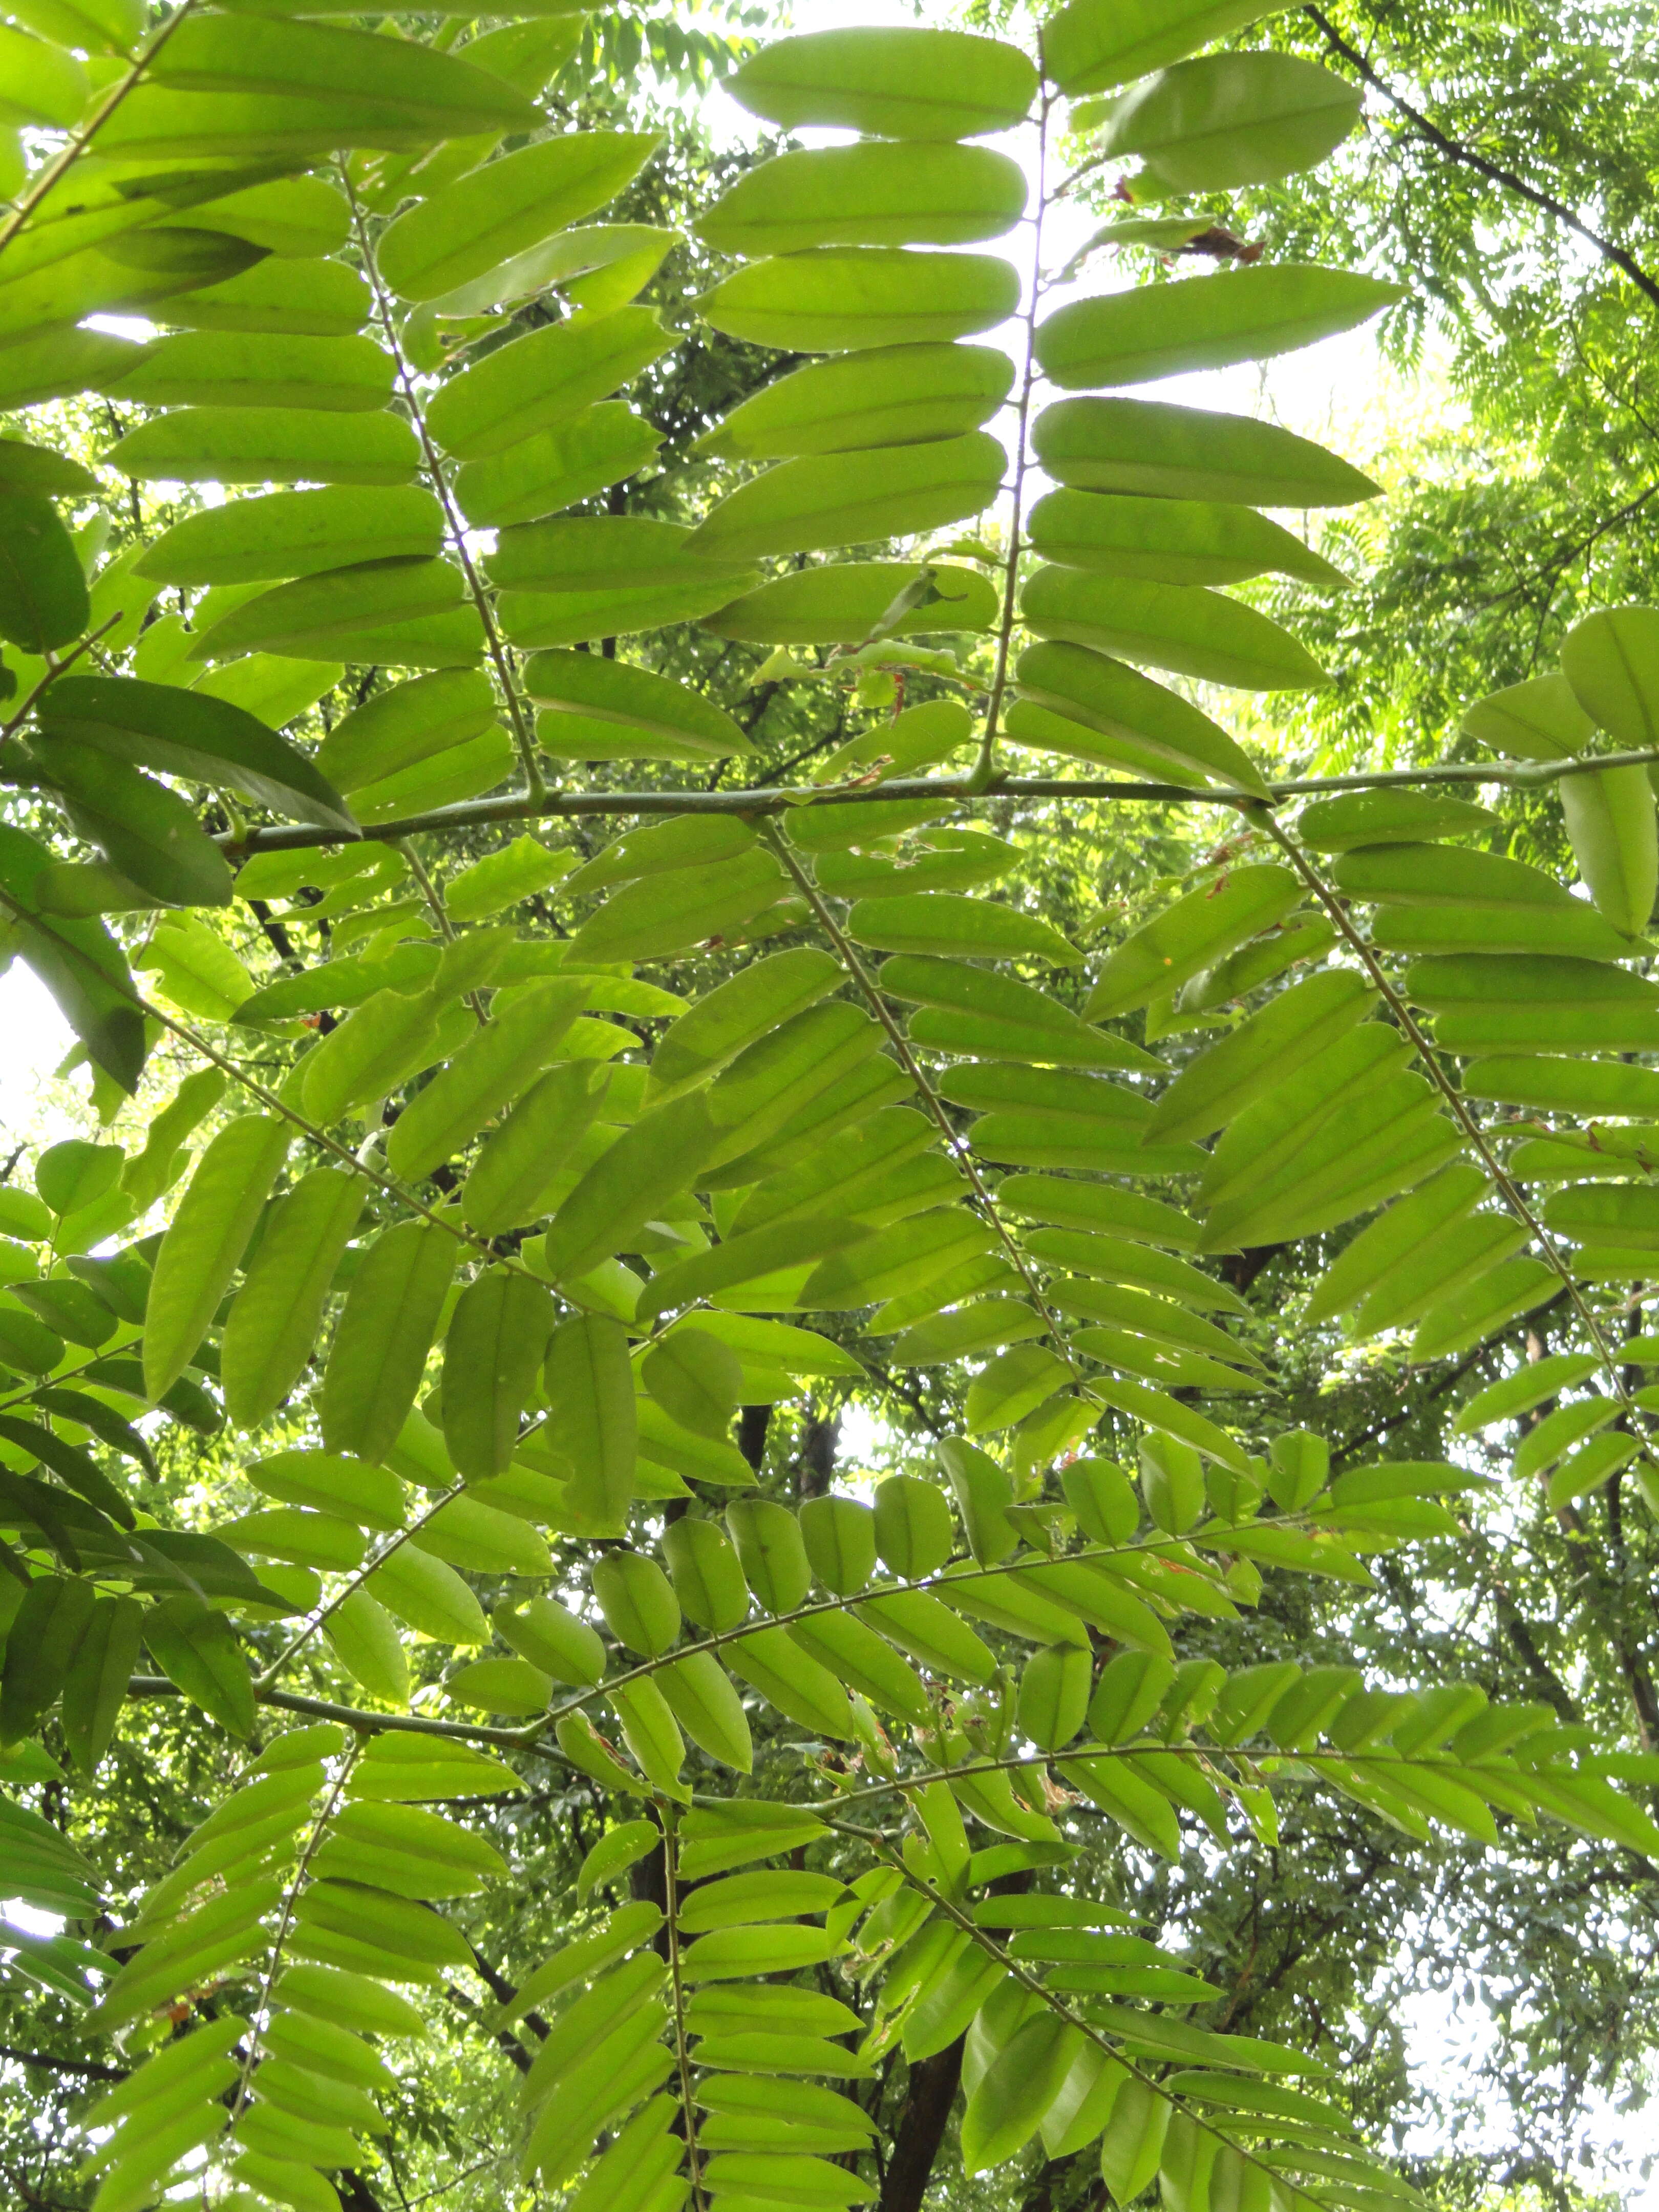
1227	120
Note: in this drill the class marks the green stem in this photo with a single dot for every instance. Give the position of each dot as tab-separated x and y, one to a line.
984	769
775	800
666	1815
523	731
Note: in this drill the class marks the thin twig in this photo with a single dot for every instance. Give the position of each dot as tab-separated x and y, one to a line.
523	733
65	159
981	773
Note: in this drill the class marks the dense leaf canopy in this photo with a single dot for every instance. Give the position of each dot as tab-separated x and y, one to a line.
843	1398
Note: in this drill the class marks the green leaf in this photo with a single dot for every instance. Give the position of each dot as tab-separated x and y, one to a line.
554	1641
1468	1316
1227	120
695	1379
329	613
492	1354
797	1686
617	1849
1246	314
148	832
1611	659
1388	818
894	83
1148	447
407	724
844	603
914	1531
1195	633
321	300
865	1663
42	1644
221	369
43	593
569	554
534	619
1568	930
274	1321
708	1579
1054	1695
1192	934
196	1648
941	923
1394	1241
1170	541
750	1005
700	1694
491	1069
467	229
588	688
843	299
590	1385
835	499
1225	1078
1091	44
205	1243
770	1552
557	466
297	533
1077	702
433	92
1589	1088
545	378
44	87
267	444
1016	2090
384	1335
390	1038
889	396
868	195
528	1155
1012	1385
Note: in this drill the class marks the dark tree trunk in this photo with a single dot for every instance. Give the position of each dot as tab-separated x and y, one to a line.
933	2083
753	1422
816	1467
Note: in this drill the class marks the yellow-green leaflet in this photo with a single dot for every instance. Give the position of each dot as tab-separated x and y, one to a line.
205	1241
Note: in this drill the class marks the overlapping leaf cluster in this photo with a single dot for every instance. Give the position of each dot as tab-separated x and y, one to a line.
488	1238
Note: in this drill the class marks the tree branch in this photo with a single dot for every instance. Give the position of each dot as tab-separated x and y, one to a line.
1466	156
